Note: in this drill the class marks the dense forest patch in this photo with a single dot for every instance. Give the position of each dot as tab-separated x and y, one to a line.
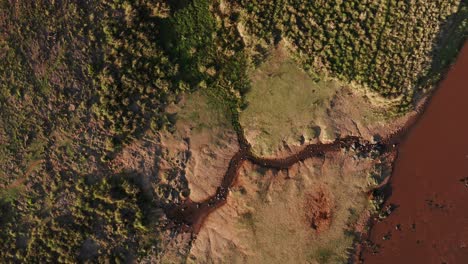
386	45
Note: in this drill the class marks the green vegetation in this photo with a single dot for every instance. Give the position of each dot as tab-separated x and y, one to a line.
385	45
188	38
204	111
81	80
132	73
151	56
323	255
454	33
108	212
284	105
328	252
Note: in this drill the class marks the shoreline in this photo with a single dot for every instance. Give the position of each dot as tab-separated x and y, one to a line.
413	122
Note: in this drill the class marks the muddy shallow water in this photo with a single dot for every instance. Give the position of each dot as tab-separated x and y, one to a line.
429	183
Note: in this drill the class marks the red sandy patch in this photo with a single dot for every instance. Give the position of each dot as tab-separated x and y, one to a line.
318	209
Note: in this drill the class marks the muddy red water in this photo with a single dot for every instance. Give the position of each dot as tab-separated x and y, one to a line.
430	184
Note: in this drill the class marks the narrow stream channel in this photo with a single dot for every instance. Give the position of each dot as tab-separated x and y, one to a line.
188	216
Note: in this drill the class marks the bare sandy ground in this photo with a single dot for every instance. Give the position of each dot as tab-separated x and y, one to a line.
299	215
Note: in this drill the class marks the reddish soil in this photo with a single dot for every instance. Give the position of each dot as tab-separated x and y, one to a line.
430	222
318	206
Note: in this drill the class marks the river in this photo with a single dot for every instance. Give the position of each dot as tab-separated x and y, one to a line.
430	183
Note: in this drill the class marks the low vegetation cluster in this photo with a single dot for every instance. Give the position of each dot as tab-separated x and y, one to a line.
80	80
385	45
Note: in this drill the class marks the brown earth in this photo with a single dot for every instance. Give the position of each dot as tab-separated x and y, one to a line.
430	223
268	215
190	214
355	111
318	208
200	147
138	156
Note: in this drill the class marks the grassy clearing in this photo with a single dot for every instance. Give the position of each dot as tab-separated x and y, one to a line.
283	236
284	104
288	106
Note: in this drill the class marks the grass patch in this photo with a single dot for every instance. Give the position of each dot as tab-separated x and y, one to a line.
323	255
284	104
9	195
203	111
